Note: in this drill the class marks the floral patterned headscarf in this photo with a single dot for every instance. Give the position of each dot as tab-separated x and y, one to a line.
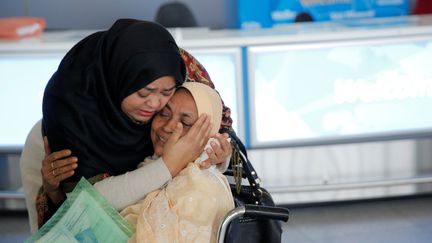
195	72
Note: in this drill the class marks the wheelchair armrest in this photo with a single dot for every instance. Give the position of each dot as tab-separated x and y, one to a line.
259	211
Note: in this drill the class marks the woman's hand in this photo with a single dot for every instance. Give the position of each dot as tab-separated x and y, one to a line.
178	152
56	167
219	152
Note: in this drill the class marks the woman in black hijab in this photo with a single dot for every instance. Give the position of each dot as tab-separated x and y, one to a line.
82	101
105	92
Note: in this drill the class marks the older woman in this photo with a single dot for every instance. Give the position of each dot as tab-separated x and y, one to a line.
193	204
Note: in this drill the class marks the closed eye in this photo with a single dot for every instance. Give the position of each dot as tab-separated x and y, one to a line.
164	112
186	124
167	93
143	94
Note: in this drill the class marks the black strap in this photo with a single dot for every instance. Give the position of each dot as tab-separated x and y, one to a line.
248	170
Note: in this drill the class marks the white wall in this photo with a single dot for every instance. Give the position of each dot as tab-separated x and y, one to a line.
346	171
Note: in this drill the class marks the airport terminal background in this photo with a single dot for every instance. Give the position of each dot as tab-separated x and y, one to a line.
347	165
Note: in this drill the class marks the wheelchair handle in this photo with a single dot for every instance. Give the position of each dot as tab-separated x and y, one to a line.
260	211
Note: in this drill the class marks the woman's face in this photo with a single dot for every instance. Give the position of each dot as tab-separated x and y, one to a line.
180	108
143	104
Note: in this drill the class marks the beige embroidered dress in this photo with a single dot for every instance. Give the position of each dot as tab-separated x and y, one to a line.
192	205
189	209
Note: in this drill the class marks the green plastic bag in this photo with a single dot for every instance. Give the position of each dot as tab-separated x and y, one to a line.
85	216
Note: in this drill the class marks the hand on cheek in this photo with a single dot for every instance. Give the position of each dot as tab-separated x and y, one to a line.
179	151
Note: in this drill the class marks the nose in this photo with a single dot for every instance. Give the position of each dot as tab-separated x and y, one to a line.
170	126
154	102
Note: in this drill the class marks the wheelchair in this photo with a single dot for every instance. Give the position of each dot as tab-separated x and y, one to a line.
251	208
255	216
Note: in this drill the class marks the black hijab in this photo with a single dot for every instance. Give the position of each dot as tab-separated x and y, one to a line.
81	104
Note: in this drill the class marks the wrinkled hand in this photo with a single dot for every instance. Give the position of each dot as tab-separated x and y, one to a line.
56	167
178	152
219	152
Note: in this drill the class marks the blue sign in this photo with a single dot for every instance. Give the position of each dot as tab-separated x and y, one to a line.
268	13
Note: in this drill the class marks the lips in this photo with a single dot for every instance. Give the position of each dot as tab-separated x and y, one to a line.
145	113
161	139
159	144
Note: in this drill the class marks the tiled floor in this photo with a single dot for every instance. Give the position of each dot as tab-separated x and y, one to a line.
397	220
13	227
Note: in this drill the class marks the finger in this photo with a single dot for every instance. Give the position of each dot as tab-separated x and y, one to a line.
197	133
53	172
68	167
203	132
206	128
65	169
225	135
217	149
57	156
64	162
213	156
47	148
197	127
205	164
224	143
65	175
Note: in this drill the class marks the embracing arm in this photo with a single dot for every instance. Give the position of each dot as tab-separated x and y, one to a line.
127	189
121	191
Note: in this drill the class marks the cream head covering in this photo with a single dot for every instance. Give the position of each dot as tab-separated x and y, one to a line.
207	101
